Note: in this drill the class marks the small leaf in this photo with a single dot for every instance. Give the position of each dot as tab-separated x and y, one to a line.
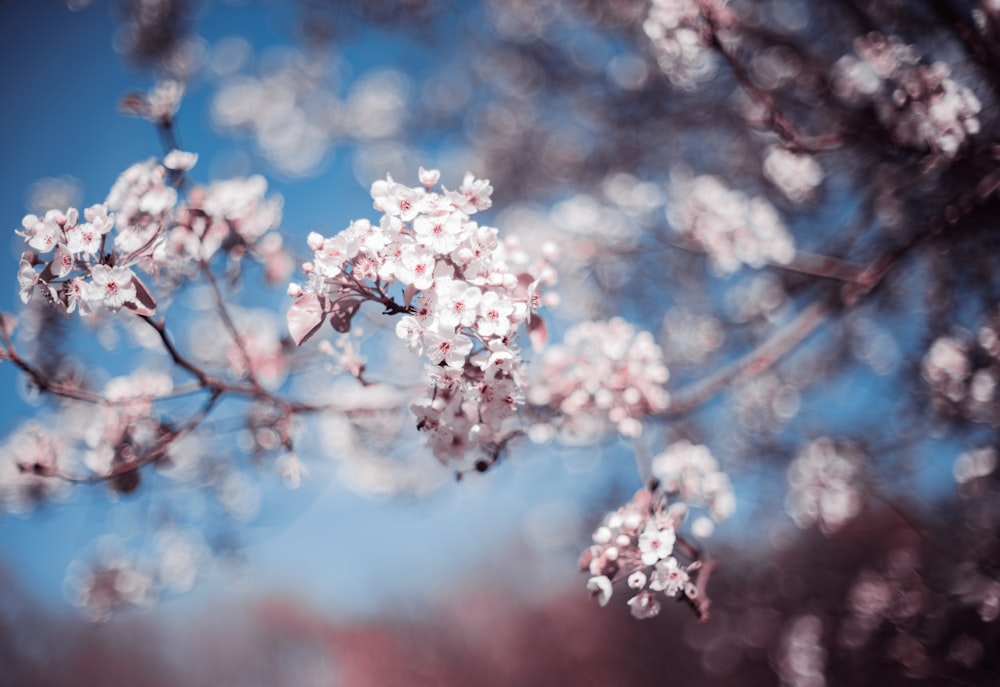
409	293
341	312
145	304
7	324
538	333
305	317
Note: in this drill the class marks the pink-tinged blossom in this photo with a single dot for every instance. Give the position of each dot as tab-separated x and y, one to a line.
457	303
921	105
824	485
636	543
802	658
27	278
445	267
473	195
669	577
656	543
974	464
603	373
408	329
600	588
62	263
429	177
644	605
946	367
416	266
180	160
112	286
30	462
114	583
797	175
444	345
396	199
42	234
84	238
243	205
733	229
495	314
158	105
440	233
143	205
678	31
692	474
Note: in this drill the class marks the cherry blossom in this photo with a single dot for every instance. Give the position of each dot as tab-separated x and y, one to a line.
825	485
112	286
603	373
921	104
678	31
462	294
732	228
636	543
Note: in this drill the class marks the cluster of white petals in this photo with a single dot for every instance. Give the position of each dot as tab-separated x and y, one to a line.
603	372
732	228
30	461
636	543
463	292
824	485
963	374
797	175
110	585
678	31
145	224
802	658
690	473
921	104
125	427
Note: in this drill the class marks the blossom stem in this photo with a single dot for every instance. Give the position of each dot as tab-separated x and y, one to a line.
220	306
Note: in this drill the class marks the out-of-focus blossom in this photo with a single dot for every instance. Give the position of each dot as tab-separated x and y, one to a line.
731	228
921	104
603	373
824	485
159	105
802	658
31	459
111	584
974	464
679	32
797	175
690	473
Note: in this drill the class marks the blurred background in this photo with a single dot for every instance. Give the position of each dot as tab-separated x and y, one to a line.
855	415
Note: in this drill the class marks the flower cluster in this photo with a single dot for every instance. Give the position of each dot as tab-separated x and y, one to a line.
824	485
797	175
31	460
921	104
892	603
109	585
690	473
144	224
636	543
603	372
733	229
126	427
464	293
679	32
79	275
802	660
963	376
